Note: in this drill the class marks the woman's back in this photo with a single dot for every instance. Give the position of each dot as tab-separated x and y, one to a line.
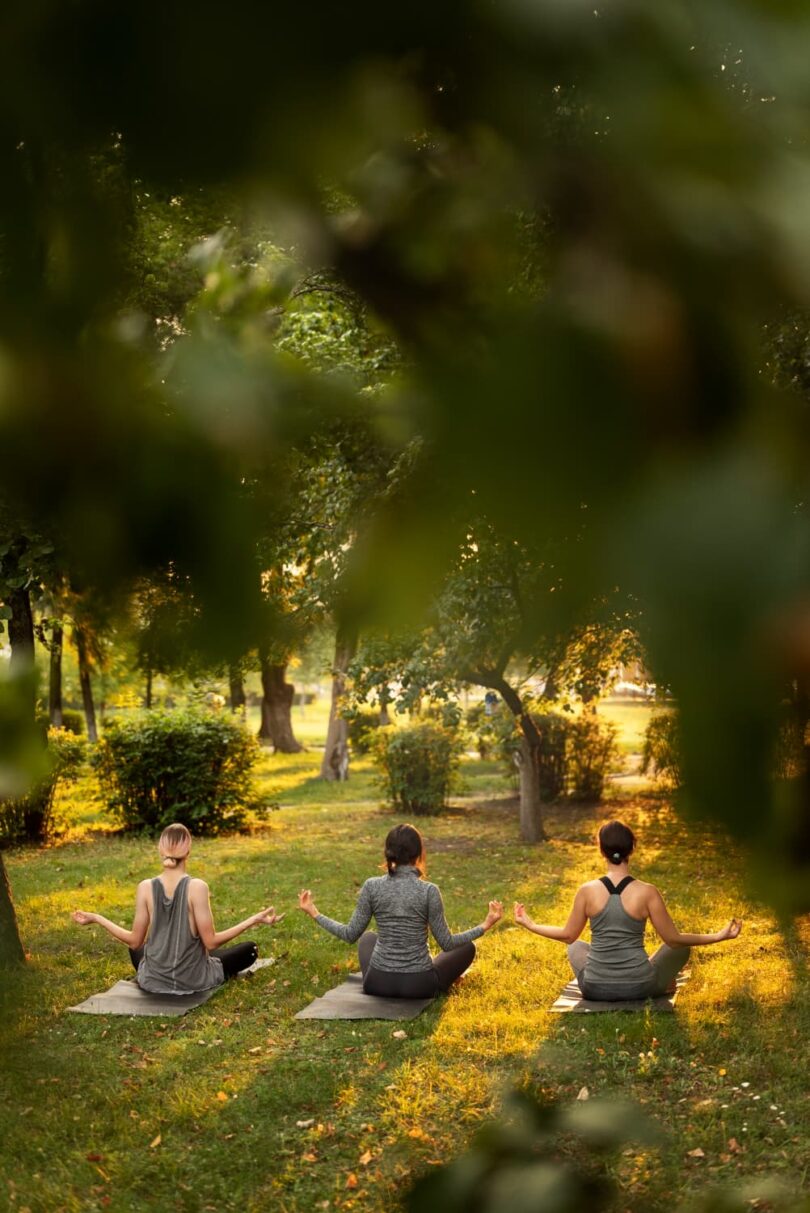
175	960
617	962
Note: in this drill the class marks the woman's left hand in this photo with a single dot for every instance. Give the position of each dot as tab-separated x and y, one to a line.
494	915
731	931
307	904
83	918
267	918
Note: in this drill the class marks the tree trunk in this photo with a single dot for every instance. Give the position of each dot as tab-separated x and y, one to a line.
11	949
148	693
277	697
531	804
237	687
21	639
335	765
385	699
55	677
86	684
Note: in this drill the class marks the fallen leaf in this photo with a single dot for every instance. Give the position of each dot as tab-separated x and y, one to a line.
400	1035
304	1124
365	1158
351	1180
309	1157
696	1153
155	1142
722	1073
95	1157
584	1093
734	1146
222	1096
255	1049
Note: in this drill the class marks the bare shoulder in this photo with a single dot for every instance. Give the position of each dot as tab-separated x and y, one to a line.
197	887
144	889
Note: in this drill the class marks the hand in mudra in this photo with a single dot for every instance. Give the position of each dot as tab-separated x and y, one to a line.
306	903
732	930
83	918
495	914
521	917
267	918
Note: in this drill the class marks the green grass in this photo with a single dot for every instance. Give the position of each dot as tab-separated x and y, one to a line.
256	1111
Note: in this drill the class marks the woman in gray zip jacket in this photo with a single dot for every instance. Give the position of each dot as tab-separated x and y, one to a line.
395	961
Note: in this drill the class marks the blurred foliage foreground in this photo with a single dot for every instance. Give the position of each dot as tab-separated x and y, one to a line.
573	242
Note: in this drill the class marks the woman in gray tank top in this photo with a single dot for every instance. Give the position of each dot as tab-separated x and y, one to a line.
615	966
395	960
183	952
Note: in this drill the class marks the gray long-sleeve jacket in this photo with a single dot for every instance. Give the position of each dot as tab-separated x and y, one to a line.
404	906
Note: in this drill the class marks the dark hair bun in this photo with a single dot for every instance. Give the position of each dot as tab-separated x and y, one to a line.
616	841
403	846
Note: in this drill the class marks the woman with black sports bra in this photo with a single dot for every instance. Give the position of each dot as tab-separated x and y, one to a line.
615	965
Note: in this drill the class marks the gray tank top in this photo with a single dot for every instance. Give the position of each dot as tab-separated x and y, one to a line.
617	963
175	961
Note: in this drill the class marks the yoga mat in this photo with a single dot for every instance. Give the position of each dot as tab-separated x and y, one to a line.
571	1000
347	1001
127	998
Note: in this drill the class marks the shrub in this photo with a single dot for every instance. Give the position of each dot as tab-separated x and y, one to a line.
72	720
362	724
660	755
590	753
554	753
419	766
30	818
192	766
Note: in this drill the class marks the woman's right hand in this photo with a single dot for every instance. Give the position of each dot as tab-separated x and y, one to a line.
494	914
731	931
306	903
521	917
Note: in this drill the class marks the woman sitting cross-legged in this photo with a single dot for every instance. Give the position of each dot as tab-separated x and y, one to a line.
615	967
183	953
396	963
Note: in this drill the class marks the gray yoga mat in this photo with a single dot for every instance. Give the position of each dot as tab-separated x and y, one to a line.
127	998
347	1001
571	1000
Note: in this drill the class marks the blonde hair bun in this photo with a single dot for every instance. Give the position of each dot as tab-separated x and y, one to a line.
175	837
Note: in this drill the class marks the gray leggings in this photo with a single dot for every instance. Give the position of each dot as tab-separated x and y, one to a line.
447	966
666	962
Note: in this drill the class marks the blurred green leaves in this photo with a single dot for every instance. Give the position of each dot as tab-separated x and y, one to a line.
560	232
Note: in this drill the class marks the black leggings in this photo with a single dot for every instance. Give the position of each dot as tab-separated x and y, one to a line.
234	959
447	966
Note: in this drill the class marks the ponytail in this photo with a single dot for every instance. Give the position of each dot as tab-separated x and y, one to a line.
404	845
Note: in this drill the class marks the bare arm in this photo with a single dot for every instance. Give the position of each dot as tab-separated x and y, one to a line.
200	902
669	933
133	938
567	934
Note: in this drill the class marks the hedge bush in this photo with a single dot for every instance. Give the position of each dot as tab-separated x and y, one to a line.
576	752
30	818
190	765
362	723
419	766
72	720
590	754
660	756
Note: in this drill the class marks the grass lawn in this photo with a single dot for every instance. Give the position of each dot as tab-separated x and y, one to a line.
237	1106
